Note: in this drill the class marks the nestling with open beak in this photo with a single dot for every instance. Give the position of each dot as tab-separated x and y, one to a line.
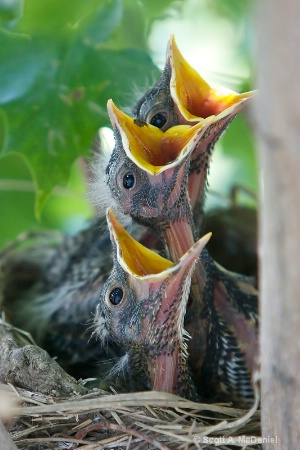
142	307
182	96
148	174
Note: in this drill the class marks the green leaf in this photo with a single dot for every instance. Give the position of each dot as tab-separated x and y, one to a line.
66	208
55	87
56	18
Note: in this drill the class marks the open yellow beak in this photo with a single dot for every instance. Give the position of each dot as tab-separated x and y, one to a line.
150	148
194	97
133	256
141	262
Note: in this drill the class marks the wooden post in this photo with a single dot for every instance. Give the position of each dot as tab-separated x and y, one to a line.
277	120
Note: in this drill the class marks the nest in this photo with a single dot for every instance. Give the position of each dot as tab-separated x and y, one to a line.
145	420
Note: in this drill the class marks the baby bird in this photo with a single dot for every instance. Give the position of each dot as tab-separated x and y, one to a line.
182	96
142	307
148	176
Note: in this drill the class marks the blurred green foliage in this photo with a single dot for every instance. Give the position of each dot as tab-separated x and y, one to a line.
60	61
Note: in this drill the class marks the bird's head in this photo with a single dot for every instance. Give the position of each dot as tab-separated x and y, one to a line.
148	170
182	96
156	107
143	303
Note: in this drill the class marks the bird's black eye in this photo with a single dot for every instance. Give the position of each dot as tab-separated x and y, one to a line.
116	295
158	120
128	180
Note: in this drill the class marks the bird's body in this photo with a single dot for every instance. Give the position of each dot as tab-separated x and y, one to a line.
232	338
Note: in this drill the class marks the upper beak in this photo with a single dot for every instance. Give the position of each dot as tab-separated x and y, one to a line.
167	286
136	259
193	96
151	149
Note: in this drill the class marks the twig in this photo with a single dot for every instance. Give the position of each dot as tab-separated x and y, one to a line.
111	426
